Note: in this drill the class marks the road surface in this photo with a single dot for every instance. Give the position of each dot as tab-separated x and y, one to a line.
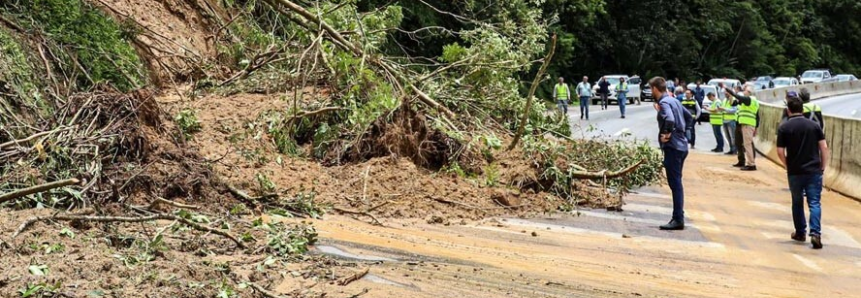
736	245
848	106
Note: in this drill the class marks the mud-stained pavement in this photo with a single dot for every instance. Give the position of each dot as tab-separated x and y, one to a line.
737	245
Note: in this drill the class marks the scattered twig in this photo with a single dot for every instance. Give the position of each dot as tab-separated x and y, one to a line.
349	279
347	211
441	200
30	138
363	292
262	291
36	189
158	201
133	219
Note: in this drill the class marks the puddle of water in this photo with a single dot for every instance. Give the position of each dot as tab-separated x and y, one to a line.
380	280
334	251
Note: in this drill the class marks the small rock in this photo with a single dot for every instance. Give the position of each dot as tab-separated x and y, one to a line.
534	234
626	236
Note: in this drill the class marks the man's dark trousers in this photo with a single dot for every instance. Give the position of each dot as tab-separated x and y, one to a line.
739	145
674	162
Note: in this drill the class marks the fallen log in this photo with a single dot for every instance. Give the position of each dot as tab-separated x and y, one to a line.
36	189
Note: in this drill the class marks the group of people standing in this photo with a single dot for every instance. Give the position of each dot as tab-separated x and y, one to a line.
562	94
801	145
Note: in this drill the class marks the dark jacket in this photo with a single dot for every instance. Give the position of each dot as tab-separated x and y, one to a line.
604	87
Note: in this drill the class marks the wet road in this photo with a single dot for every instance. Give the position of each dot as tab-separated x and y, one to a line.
736	245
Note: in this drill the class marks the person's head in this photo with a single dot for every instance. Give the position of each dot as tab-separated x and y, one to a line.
794	105
680	90
622	80
804	95
699	82
689	94
585	79
561	80
789	95
711	96
748	90
658	86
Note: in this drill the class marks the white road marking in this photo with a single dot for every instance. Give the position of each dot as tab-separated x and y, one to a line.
807	262
772	206
836	236
573	230
619	133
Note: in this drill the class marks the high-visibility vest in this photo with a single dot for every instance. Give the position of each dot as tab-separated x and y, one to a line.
622	88
727	104
747	113
691	105
716	117
561	91
812	108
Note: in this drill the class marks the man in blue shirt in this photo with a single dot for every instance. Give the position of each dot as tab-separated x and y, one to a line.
672	120
699	95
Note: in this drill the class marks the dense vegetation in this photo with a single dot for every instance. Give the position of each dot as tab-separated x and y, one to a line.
673	38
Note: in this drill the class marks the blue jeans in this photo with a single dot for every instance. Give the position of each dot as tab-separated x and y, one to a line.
812	186
718	136
729	131
563	105
674	163
584	106
691	132
622	99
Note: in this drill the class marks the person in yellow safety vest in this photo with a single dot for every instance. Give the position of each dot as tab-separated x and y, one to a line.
811	110
622	95
748	120
689	103
716	120
562	94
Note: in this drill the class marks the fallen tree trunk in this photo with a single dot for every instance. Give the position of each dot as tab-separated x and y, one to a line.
36	189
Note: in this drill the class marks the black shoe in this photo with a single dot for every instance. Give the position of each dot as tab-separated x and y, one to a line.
623	116
738	165
748	168
716	150
674	225
799	238
731	153
816	241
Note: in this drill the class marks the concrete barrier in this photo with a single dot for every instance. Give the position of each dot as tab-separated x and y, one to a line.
843	135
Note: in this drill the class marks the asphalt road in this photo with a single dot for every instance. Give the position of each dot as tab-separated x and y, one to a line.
640	124
844	106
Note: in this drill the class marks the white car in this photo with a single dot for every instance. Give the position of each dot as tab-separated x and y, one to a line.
845	78
633	89
727	83
785	82
816	76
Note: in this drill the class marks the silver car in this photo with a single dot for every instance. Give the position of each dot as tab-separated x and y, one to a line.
845	78
785	82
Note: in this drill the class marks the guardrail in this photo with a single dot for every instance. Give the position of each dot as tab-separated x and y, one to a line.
843	134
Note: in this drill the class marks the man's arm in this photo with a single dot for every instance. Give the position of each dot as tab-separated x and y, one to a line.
744	99
669	119
781	153
568	89
824	154
818	115
699	112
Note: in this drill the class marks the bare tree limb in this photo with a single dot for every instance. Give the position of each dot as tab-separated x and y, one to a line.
532	89
349	279
36	189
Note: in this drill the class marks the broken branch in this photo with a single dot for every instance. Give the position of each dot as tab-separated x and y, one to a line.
538	76
349	279
605	174
36	189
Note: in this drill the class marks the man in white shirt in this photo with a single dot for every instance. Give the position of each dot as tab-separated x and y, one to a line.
584	91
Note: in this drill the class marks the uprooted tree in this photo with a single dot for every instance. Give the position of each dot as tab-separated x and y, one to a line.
78	132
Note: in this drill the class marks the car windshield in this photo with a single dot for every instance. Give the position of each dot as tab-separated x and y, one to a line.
812	74
781	82
762	79
613	81
634	81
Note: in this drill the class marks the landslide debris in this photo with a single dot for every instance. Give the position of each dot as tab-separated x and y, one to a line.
193	133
